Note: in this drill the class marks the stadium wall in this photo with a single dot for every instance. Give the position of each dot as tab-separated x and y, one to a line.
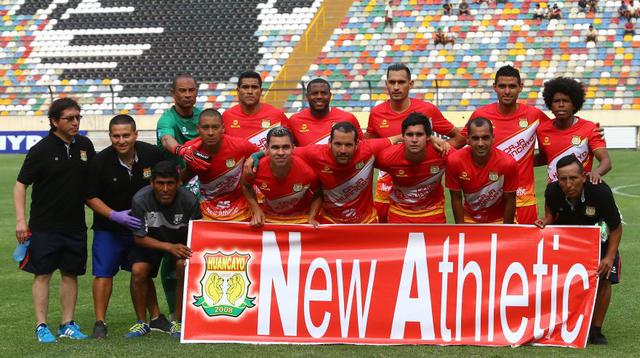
622	128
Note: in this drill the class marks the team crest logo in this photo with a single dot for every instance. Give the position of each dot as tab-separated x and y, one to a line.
384	124
546	141
235	124
575	140
177	218
523	123
184	130
83	155
401	173
146	173
264	187
225	285
360	165
590	211
434	169
464	176
297	187
326	169
304	128
230	163
265	124
493	176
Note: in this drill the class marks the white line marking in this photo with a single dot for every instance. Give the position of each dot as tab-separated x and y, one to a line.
616	190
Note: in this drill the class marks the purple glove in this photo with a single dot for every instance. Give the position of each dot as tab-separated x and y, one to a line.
123	218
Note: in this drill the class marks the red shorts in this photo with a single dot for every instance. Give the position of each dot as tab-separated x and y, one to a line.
431	219
527	214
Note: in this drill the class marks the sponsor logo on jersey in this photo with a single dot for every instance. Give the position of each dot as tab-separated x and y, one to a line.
230	163
434	169
575	140
83	155
590	211
235	124
265	123
523	123
493	176
384	124
225	285
297	187
146	173
303	128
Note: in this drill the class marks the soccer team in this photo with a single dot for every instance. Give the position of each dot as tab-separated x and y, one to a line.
254	164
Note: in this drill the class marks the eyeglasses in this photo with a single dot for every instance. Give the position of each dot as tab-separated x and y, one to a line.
71	118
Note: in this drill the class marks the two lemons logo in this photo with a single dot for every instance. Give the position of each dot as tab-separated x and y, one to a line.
225	285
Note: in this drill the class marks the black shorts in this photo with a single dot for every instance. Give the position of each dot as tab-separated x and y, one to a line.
143	254
49	251
614	274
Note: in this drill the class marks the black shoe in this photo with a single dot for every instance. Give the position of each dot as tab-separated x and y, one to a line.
160	324
597	338
99	330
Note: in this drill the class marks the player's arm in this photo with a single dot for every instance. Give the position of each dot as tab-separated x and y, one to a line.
509	199
178	250
539	159
121	217
604	269
186	174
316	204
456	139
547	219
604	165
257	215
19	200
169	143
456	206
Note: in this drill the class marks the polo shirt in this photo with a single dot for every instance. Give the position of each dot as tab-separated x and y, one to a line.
58	173
111	181
596	204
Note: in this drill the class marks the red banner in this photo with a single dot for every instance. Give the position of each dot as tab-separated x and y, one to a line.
490	285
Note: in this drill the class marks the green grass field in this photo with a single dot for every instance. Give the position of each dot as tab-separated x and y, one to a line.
17	318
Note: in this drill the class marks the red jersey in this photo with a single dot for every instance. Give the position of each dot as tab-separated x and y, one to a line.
253	127
385	122
222	197
346	189
515	135
417	187
580	139
482	187
307	129
287	200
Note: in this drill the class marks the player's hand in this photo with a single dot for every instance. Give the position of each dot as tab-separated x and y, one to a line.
540	223
313	222
180	251
594	178
196	160
441	146
599	130
22	231
125	219
604	270
257	219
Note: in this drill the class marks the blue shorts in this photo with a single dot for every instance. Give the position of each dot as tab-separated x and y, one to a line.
110	252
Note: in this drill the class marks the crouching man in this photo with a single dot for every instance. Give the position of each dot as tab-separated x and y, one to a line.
165	209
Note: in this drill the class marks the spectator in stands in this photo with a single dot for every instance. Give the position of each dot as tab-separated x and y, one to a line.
438	37
538	12
582	6
592	35
57	167
388	14
449	37
629	28
446	8
463	8
555	12
623	10
592	6
634	11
